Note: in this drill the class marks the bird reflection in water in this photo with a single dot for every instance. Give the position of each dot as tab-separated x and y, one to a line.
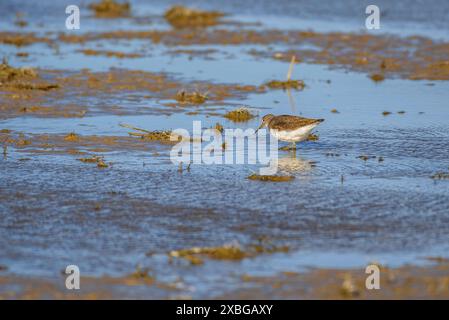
291	164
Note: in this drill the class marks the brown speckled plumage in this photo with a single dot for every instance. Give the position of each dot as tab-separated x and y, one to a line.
288	123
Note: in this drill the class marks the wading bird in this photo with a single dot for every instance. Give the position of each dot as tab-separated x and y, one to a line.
289	128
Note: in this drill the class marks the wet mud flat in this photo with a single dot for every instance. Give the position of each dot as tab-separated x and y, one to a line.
409	282
134	209
80	186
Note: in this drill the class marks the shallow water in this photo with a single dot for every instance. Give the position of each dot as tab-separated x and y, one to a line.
405	17
340	211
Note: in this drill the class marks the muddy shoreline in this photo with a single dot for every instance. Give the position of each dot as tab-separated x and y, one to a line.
415	57
408	282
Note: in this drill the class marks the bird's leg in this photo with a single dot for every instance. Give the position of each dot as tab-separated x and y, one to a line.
293	146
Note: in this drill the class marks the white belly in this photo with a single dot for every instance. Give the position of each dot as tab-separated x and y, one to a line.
297	135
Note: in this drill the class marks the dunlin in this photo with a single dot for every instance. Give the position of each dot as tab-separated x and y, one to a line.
289	128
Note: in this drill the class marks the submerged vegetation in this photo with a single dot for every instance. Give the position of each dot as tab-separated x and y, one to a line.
367	157
72	137
193	255
440	176
273	178
9	73
110	9
196	255
108	53
289	83
377	77
194	97
240	115
95	159
182	17
142	274
156	135
21	78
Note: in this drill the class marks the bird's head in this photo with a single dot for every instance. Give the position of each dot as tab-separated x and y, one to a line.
265	121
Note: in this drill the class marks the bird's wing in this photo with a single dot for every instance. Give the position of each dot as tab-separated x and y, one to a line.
287	122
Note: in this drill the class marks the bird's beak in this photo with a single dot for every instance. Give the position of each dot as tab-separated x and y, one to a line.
260	127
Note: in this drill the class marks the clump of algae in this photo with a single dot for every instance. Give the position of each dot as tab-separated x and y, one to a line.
182	17
23	142
193	255
108	53
72	137
348	287
274	178
139	276
9	73
95	159
239	115
19	78
160	135
32	86
440	176
20	21
194	97
377	77
289	83
196	255
140	273
157	135
366	157
110	9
